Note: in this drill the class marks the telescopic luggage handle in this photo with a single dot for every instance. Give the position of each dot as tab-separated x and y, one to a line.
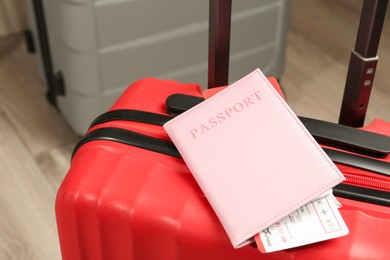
362	64
219	42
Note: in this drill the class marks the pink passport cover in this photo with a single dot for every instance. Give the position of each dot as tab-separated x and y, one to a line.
251	156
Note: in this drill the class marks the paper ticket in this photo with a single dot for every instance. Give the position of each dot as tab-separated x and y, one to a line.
316	221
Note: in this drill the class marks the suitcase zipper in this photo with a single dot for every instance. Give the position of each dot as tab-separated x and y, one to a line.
365	181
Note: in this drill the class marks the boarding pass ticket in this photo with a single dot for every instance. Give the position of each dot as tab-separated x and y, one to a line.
316	221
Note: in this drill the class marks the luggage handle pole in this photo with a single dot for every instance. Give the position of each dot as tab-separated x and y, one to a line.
219	42
362	64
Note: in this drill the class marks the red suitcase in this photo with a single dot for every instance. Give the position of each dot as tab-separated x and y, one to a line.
128	195
120	201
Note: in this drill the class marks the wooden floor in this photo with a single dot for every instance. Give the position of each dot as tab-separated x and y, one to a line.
36	142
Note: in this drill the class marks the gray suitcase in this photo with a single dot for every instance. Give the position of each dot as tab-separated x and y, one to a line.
97	48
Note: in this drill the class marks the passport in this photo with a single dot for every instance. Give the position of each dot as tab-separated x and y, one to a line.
251	156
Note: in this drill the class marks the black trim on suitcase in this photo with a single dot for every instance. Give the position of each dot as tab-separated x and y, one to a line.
362	194
348	138
131	115
357	161
129	138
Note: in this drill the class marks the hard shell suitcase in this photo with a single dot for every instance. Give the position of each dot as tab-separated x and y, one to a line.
128	195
